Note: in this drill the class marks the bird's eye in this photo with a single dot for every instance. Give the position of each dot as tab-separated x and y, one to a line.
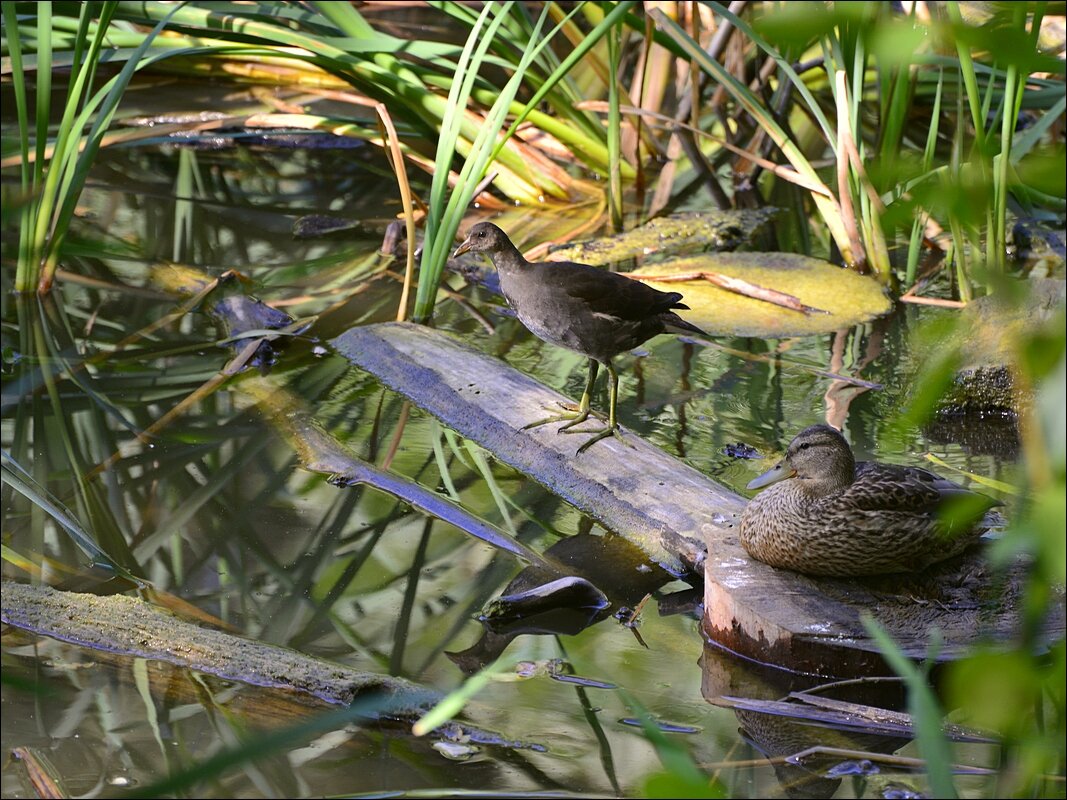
805	445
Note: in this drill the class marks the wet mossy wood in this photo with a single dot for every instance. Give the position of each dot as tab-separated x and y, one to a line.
137	629
673	513
127	628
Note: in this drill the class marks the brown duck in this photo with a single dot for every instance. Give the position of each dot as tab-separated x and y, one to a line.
827	515
582	308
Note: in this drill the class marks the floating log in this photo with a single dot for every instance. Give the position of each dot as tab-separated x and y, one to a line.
687	523
665	507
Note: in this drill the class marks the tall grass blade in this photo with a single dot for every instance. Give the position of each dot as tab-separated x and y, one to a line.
443	220
827	206
43	89
925	713
391	145
919	225
453	703
27	171
79	160
595	152
614	133
968	75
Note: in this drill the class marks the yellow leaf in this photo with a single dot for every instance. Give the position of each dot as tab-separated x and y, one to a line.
847	297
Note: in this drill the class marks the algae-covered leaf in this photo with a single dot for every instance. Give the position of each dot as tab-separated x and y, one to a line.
847	297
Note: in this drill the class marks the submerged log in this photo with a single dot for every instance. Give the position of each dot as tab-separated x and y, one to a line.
128	628
134	628
686	522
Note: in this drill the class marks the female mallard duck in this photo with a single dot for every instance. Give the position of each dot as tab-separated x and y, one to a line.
828	515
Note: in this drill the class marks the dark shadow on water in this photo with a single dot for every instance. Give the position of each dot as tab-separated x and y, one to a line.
612	574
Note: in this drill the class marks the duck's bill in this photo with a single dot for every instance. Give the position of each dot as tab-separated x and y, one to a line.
779	472
463	248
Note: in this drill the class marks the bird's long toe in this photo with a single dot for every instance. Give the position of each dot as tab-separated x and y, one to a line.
602	434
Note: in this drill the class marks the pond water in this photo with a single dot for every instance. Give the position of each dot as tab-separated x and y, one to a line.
217	512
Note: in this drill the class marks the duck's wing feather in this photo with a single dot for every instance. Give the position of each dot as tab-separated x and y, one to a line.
889	487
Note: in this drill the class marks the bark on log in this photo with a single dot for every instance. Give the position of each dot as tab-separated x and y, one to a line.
665	507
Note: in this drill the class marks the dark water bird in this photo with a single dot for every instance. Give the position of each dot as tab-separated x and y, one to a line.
825	514
588	310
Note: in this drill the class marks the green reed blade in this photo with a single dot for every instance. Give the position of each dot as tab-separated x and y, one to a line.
919	225
828	208
614	132
26	485
925	711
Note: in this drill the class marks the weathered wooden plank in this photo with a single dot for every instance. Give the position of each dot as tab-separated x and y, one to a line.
664	506
674	513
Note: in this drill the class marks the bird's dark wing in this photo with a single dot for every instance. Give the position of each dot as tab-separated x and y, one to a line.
609	292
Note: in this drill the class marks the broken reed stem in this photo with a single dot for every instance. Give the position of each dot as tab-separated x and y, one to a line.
737	286
398	434
931	301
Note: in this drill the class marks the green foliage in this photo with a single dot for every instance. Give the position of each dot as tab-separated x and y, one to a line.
924	709
680	777
53	180
443	220
881	88
1021	699
452	704
1014	689
669	784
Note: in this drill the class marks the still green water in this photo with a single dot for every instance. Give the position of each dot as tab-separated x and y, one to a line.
217	512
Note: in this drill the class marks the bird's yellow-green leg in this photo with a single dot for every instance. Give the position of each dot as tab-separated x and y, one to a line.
613	426
576	414
583	409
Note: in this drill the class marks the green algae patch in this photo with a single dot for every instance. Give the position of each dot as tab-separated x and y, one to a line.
686	232
847	297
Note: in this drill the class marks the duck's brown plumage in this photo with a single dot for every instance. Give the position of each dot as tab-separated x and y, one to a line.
828	515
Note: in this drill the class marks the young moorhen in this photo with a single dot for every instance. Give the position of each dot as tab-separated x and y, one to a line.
585	309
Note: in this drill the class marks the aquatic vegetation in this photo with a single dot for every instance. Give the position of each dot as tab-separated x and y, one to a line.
870	86
142	454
